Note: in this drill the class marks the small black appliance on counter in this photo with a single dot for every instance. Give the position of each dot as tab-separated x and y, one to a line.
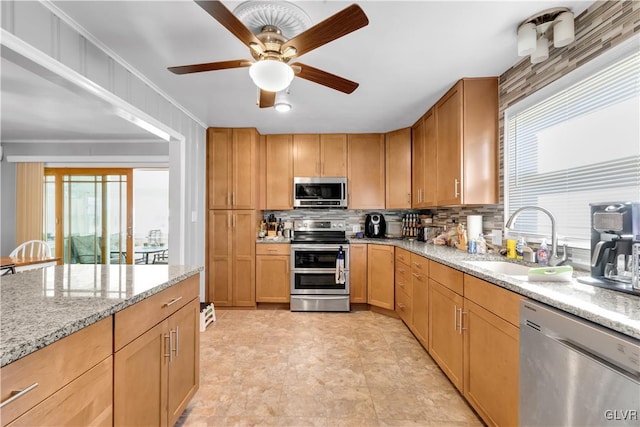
374	225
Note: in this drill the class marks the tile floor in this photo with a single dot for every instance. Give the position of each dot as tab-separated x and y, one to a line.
278	368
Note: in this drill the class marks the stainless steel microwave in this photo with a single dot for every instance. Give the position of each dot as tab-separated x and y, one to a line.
311	192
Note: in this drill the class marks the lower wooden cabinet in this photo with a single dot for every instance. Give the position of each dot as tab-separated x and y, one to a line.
358	272
86	401
445	331
491	350
231	257
157	373
58	377
380	276
272	272
420	289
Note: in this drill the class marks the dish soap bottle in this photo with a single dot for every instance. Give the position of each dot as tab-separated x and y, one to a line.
520	247
543	253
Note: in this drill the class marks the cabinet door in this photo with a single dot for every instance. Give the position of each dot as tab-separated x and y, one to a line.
244	246
245	145
417	164
366	171
272	278
219	167
445	331
279	172
184	365
429	164
140	379
306	155
420	313
86	401
358	272
491	365
398	169
380	269
220	258
448	115
333	155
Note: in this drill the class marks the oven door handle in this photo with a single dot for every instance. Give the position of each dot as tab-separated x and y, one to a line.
316	297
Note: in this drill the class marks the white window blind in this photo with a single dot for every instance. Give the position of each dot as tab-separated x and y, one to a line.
578	146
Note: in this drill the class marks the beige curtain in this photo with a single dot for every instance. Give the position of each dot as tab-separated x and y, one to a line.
29	202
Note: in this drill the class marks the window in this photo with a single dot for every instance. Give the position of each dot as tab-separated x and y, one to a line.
579	145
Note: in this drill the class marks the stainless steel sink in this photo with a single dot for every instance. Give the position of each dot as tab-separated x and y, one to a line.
502	267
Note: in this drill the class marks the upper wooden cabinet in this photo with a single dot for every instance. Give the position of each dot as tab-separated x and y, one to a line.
279	171
398	169
320	155
232	168
366	176
466	121
424	162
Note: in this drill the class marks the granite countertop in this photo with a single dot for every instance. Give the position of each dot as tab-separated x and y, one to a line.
273	240
612	309
41	306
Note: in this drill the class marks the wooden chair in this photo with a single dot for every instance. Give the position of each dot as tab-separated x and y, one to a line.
32	249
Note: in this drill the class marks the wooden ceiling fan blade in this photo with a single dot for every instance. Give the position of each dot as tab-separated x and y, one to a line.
324	78
342	23
267	99
228	20
209	66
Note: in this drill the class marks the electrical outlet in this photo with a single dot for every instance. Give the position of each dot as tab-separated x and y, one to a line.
496	237
356	228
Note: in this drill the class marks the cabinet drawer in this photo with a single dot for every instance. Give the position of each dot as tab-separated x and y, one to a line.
403	279
133	321
53	367
419	265
403	306
86	401
447	276
273	249
499	301
403	256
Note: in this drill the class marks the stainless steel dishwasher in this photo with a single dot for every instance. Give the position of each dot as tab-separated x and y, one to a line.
575	373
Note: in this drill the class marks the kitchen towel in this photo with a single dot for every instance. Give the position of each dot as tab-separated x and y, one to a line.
340	278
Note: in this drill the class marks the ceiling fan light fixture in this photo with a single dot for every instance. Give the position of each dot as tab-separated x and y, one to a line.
271	75
283	104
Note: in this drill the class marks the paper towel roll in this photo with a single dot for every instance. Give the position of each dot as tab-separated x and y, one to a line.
474	226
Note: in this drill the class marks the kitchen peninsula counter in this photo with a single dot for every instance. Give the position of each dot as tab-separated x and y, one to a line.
39	307
612	309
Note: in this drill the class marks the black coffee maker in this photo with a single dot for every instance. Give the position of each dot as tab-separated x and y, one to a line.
374	225
615	229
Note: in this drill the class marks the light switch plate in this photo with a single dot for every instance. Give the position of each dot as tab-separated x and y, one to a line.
496	237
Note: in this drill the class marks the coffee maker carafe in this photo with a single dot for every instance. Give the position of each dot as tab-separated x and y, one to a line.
615	231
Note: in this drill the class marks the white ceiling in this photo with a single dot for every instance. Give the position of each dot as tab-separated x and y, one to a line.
405	59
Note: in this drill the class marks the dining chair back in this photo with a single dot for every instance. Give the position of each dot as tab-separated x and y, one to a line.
32	249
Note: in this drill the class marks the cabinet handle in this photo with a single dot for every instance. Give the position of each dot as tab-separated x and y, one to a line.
177	340
401	306
228	220
455	317
169	355
416	275
173	301
409	198
233	198
234	221
461	323
15	394
420	195
322	168
228	199
456	182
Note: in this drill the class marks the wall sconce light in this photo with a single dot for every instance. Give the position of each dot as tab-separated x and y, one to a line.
533	33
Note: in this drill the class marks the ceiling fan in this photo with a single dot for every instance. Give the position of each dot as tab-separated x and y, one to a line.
272	51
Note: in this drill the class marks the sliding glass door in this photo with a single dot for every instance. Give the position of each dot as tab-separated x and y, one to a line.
88	214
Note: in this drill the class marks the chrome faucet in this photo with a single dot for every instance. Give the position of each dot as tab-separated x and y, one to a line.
554	259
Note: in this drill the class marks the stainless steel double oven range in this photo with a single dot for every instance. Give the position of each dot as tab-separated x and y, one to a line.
315	286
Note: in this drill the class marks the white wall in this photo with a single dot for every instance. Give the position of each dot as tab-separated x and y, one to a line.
45	28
